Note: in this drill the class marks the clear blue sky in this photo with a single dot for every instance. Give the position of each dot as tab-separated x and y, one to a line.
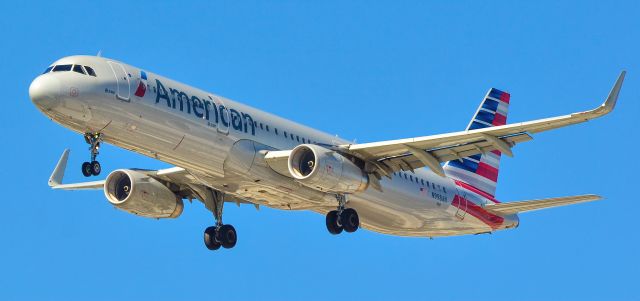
364	70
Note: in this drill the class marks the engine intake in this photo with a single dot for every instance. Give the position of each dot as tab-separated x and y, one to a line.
326	170
140	194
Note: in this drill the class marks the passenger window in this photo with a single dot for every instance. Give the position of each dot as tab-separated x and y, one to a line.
276	130
267	126
303	141
298	138
285	134
78	68
422	182
261	126
90	71
292	138
60	68
48	69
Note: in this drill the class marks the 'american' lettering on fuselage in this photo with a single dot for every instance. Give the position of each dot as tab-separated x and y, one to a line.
205	109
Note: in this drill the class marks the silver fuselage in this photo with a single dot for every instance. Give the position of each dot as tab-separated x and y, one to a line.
222	142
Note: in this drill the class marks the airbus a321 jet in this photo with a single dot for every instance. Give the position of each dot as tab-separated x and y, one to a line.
225	151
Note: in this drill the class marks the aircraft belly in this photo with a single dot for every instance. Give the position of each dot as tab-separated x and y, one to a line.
397	213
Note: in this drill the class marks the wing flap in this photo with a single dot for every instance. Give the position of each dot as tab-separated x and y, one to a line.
524	206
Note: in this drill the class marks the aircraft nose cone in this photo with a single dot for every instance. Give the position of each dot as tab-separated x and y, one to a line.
45	91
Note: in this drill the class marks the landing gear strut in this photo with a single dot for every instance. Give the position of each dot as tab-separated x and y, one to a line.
93	167
220	235
342	219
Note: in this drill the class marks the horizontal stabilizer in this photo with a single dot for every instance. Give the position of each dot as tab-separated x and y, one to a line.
523	206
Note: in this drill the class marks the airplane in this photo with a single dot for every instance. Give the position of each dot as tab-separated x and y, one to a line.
224	151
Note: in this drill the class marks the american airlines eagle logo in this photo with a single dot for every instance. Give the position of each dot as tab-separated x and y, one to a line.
142	85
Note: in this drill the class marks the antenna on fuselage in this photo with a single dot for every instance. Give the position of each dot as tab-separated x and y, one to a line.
99	53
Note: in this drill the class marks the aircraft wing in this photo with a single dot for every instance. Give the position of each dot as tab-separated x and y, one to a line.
190	184
173	174
523	206
387	157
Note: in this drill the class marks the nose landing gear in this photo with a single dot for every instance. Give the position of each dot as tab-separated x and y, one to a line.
93	167
342	219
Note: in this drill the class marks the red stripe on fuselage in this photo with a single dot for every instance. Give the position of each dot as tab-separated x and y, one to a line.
476	191
492	220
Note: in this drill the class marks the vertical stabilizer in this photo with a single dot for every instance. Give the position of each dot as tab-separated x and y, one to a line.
481	171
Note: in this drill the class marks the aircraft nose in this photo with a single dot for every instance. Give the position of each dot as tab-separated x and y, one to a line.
45	91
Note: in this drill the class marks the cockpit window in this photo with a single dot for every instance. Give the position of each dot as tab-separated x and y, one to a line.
90	71
59	68
78	68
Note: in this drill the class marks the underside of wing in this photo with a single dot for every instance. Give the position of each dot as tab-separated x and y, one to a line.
409	154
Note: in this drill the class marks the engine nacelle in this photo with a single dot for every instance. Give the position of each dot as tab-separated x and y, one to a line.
326	170
140	194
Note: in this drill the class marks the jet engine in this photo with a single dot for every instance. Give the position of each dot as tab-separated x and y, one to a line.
138	193
326	170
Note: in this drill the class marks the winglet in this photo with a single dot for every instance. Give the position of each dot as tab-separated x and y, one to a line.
58	172
610	103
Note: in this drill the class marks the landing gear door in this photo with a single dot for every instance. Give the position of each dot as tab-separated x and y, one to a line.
123	89
223	113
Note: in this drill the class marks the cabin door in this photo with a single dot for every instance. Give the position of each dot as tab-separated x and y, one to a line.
123	89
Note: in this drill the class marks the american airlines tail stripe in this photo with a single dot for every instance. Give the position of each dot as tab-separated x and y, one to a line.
499	119
487	171
473	179
476	190
490	104
497	94
491	160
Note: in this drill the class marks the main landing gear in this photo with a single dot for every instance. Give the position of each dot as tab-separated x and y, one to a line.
220	235
93	167
342	219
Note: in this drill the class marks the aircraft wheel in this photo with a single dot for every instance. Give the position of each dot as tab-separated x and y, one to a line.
350	220
95	168
227	236
210	239
86	169
333	222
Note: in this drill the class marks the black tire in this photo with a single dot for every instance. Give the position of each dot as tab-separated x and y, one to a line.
210	239
350	220
227	236
86	169
95	168
333	224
